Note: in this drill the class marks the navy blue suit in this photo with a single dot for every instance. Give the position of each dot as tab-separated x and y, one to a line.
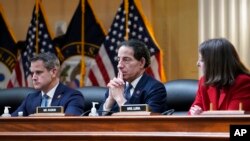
147	91
72	101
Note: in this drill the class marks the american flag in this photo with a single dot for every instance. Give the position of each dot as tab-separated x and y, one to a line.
38	39
105	66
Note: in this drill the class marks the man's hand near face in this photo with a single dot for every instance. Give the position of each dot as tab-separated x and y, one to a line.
116	91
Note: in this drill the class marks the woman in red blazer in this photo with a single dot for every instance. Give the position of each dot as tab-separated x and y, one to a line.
225	84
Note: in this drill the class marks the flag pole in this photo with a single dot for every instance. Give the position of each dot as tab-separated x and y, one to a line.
126	5
82	47
36	12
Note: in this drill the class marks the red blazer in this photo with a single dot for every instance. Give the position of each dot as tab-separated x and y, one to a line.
226	98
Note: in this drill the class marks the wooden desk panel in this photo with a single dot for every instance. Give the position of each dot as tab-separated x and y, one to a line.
113	136
129	123
121	128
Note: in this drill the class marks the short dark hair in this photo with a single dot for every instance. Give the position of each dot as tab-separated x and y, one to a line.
140	50
50	60
221	62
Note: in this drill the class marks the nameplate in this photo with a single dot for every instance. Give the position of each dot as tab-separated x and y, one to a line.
225	112
134	108
135	113
51	109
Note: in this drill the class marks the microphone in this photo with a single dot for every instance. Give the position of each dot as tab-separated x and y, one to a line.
99	111
168	112
84	113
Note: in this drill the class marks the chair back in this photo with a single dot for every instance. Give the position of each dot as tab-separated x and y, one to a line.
181	94
92	94
13	97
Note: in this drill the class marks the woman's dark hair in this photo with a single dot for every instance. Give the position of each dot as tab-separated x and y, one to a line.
140	50
221	62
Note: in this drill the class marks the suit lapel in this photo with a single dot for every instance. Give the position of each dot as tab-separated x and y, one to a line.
138	89
57	95
37	100
212	94
217	97
222	95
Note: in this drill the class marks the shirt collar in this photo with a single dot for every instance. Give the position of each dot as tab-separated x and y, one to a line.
134	83
51	92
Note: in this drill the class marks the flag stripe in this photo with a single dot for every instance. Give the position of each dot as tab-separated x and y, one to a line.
103	71
92	78
155	67
105	65
19	73
97	74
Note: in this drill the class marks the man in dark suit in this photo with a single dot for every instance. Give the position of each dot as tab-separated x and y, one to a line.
133	59
45	69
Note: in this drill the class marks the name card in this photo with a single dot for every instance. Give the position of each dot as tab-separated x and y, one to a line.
52	109
134	108
225	112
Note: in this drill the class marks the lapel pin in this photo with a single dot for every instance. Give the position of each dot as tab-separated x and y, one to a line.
59	96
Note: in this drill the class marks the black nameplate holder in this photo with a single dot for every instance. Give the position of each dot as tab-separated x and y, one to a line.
49	111
135	108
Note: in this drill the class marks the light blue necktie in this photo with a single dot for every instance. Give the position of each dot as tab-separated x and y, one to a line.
45	100
127	91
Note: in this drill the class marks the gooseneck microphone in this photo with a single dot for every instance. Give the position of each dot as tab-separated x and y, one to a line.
99	111
168	112
85	113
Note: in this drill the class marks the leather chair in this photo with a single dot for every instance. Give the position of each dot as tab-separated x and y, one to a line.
13	97
180	95
92	94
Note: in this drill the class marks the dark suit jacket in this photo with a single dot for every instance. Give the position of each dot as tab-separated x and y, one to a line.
226	98
147	91
72	101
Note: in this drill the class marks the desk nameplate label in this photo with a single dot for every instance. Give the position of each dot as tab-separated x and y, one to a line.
134	108
52	109
225	112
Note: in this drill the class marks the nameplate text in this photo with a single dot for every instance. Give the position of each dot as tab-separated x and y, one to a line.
134	107
51	109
